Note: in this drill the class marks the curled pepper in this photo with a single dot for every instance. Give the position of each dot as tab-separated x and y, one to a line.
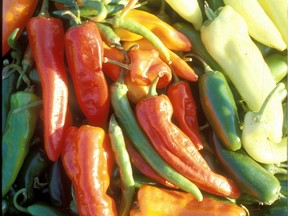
155	201
87	164
154	116
20	127
46	38
255	134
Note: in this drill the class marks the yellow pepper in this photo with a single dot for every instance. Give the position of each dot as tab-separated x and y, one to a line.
260	26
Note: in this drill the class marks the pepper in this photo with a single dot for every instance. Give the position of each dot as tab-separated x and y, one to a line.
88	166
127	120
181	68
279	208
159	201
251	177
16	14
260	26
35	164
146	66
278	66
188	10
172	38
255	134
108	35
21	122
154	116
247	70
184	109
46	38
140	163
124	164
84	54
198	46
278	14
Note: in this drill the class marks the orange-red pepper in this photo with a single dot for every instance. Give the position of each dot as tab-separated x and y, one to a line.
172	38
135	92
154	116
154	201
88	165
16	14
185	110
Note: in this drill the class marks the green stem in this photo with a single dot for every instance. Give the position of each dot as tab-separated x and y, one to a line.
44	9
209	12
206	67
17	206
153	88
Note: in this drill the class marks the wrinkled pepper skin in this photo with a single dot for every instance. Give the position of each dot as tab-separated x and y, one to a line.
154	116
84	53
46	38
16	14
219	106
172	38
251	177
185	112
20	127
154	201
88	166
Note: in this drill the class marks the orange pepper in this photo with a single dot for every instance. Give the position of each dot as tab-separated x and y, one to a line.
159	201
172	38
135	92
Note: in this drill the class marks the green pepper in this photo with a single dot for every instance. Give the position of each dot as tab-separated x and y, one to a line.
198	46
250	176
219	107
20	127
278	65
279	208
34	166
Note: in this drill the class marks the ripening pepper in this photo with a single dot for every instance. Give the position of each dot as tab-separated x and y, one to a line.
278	14
88	165
260	26
172	38
154	116
247	70
255	134
154	201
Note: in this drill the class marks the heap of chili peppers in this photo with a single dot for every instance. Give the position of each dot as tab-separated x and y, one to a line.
138	107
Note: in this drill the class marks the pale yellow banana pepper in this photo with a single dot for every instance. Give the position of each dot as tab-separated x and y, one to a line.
189	10
278	13
226	38
260	26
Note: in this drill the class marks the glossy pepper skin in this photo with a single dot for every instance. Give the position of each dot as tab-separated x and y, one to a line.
16	14
20	127
220	108
248	174
184	110
84	53
46	38
88	166
155	201
154	116
172	38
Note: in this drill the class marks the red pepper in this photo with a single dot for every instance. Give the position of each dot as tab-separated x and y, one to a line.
84	53
140	163
86	163
46	38
154	115
185	111
16	14
146	66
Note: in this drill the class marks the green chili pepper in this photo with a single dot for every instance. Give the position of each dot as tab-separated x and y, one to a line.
198	47
34	166
108	35
278	65
59	185
219	106
138	28
130	126
124	164
20	127
250	176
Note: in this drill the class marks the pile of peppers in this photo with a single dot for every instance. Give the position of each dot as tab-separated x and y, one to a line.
134	107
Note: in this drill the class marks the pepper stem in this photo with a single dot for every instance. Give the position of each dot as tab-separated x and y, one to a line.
209	12
15	198
207	68
264	106
44	9
153	87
